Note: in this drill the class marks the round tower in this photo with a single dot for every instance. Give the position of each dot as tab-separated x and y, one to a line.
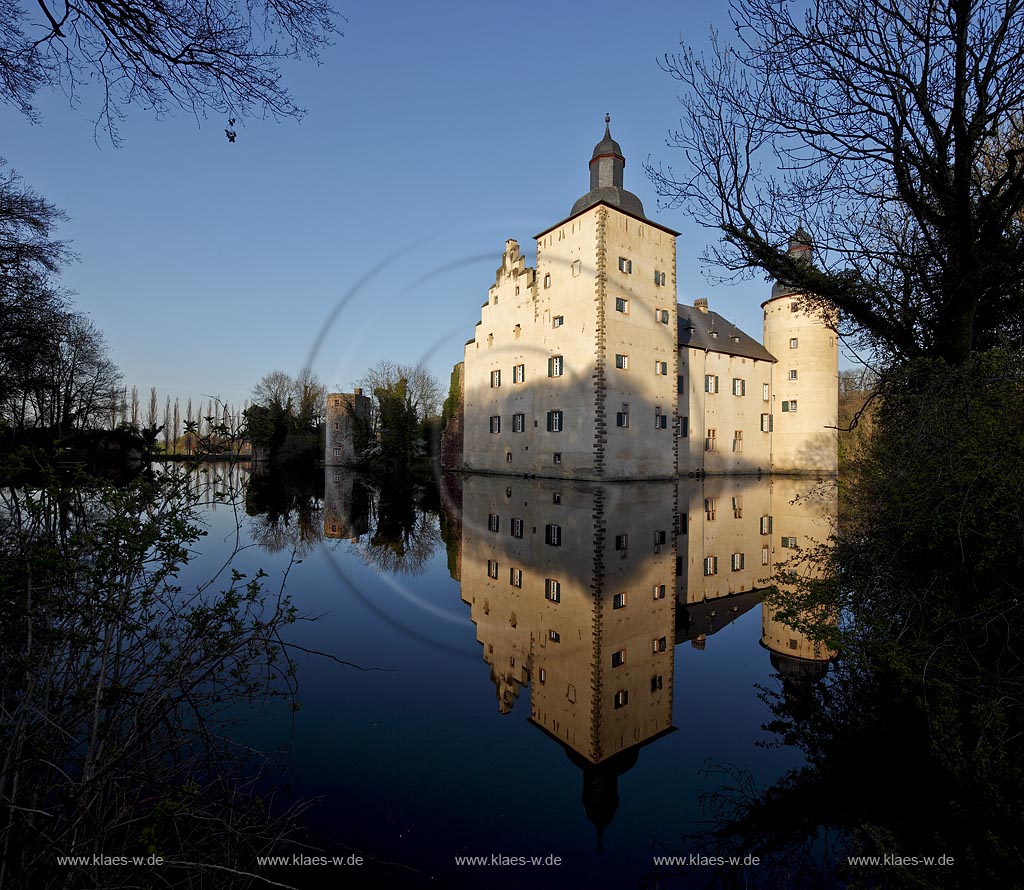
805	378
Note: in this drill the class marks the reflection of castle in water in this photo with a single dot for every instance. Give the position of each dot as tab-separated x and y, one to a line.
582	591
345	513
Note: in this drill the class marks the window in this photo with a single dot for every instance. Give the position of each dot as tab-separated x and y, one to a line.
739	386
710	383
337	427
793	307
508	457
493	522
659	278
618	658
737	507
557	459
557	321
766	423
337	452
710	508
660	420
555	421
556	497
576	268
517	528
789	543
508	492
661	315
337	403
659	591
622	417
622	544
555	366
518	423
621	361
766	525
542	675
518	373
553	535
737	562
547	280
792	373
622	305
660	537
764	554
793	342
621	698
495	379
711	440
766	392
625	265
656	682
659	645
711	565
515	577
661	368
495	423
789	406
492	569
682	522
619	601
552	590
684	427
679	383
554	636
737	440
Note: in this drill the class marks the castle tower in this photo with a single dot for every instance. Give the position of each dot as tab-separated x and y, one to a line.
572	370
339	438
805	378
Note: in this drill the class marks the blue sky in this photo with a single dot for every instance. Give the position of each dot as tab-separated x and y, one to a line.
434	132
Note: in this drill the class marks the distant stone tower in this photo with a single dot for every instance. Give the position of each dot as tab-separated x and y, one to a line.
340	446
805	379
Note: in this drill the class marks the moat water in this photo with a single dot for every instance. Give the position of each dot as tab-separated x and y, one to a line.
554	672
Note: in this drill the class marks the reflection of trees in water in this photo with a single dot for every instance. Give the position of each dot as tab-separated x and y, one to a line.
286	510
117	687
404	529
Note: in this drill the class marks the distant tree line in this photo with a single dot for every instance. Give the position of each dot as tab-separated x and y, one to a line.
285	420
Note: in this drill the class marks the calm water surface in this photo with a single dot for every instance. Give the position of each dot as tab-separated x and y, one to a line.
555	665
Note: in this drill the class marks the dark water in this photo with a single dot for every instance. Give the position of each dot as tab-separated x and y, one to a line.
563	708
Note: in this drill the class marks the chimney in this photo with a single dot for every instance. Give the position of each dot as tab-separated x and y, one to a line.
701	303
358	391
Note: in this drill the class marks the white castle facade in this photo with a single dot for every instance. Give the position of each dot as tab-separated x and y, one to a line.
584	366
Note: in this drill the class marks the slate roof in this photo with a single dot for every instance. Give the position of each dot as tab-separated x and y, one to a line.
713	333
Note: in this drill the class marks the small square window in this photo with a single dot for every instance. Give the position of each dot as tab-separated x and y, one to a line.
793	342
739	386
792	373
552	590
622	305
659	278
711	565
660	420
508	457
553	535
656	682
554	636
495	423
661	368
766	525
711	440
495	379
576	268
625	265
621	698
556	458
517	528
556	496
619	601
557	321
547	280
659	591
542	675
789	543
766	392
660	644
515	577
710	383
518	423
555	421
556	366
622	543
518	373
618	658
660	537
737	562
621	361
492	569
662	315
493	522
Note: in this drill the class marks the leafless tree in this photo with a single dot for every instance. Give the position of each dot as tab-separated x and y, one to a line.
222	56
152	415
887	129
422	386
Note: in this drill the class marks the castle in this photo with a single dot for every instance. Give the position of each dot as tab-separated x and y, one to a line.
584	366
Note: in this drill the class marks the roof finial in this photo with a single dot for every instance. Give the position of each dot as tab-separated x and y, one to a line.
607	124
